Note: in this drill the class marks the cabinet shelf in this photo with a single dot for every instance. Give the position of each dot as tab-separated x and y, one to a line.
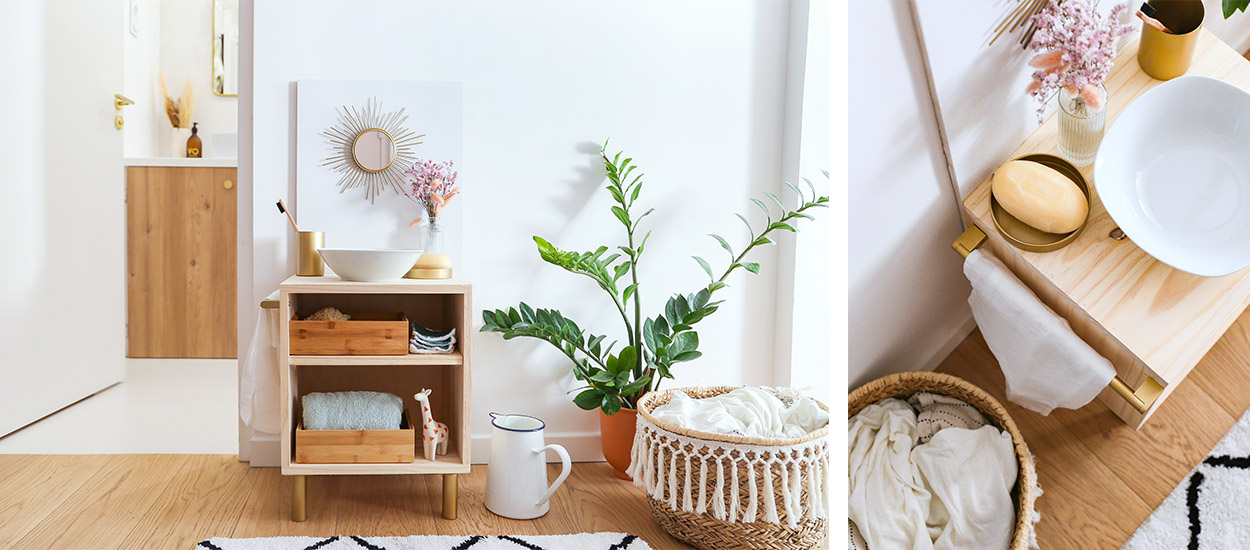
410	360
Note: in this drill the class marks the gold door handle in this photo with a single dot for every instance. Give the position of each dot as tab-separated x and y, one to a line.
120	101
228	184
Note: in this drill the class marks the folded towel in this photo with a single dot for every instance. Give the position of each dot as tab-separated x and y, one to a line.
749	411
353	410
935	412
428	335
258	383
1045	364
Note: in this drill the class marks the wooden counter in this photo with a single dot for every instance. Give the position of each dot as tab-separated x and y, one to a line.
1144	316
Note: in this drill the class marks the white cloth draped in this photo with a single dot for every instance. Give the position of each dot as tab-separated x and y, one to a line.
748	411
258	384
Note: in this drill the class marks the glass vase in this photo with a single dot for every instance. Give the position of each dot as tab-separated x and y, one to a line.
434	262
1081	126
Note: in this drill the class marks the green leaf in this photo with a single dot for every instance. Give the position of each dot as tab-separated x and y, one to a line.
634	196
762	241
628	359
752	267
648	334
701	299
638	220
745	222
613	364
686	341
687	356
813	187
611	404
777	200
621	215
636	385
797	191
604	376
706	268
760	204
716	285
629	291
588	400
723	244
781	225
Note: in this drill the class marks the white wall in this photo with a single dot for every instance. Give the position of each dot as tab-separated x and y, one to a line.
803	328
142	59
907	292
186	51
693	90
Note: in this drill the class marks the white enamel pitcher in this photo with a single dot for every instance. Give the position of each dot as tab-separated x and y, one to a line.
516	477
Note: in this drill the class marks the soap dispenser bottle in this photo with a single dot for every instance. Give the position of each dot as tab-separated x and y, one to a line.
195	148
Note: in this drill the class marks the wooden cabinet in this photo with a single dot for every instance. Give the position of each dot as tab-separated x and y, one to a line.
437	304
181	261
1148	319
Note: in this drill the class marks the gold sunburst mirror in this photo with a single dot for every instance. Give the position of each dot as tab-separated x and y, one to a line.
370	148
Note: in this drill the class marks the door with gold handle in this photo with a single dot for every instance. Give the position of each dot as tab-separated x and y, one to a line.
120	101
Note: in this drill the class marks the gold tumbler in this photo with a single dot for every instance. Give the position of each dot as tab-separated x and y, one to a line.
1166	56
308	262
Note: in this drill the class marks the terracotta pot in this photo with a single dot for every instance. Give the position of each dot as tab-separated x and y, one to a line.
617	434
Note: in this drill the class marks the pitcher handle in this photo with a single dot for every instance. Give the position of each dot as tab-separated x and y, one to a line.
565	468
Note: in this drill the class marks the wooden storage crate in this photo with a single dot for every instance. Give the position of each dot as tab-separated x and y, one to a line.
364	334
356	446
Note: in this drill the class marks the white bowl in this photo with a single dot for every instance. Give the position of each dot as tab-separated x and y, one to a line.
369	264
1174	172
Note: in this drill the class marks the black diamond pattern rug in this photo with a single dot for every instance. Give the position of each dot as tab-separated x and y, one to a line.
581	541
1210	508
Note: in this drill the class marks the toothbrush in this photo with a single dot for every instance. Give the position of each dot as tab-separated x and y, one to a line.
1146	14
282	209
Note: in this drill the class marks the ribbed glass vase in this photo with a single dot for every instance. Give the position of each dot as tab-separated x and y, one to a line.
1080	127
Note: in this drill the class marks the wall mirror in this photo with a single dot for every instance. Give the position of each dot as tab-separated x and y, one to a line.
374	150
226	48
370	148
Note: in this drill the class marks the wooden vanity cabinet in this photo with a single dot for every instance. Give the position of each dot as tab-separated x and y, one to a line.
181	261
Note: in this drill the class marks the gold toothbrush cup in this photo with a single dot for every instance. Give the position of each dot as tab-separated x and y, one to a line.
1166	56
308	262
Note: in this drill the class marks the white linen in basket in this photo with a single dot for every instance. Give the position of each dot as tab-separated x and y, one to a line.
747	411
951	493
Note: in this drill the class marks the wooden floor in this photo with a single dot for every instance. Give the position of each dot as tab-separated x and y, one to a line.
174	501
1100	478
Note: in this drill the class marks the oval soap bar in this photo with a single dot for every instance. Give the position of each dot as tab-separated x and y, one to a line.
1040	196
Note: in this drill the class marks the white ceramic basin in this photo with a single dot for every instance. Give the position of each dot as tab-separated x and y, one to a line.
369	264
1173	171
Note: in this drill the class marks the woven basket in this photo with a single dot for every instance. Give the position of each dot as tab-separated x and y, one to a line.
905	384
691	512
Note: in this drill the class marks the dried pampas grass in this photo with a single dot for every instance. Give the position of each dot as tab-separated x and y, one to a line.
181	111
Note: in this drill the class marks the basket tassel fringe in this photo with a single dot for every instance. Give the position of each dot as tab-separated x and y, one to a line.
654	464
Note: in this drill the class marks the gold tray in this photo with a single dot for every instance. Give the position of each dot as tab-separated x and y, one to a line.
1025	236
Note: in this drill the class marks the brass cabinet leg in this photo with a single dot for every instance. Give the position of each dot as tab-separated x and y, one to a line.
299	494
449	496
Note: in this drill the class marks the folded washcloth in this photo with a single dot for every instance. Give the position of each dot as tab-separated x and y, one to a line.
1046	365
353	410
935	412
425	340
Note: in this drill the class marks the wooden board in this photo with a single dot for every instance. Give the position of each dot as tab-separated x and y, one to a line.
1165	318
356	446
181	262
365	333
181	500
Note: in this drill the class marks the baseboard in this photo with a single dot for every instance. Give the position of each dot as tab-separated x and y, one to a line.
265	451
582	447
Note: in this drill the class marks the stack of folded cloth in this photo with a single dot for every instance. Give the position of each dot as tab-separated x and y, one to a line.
425	340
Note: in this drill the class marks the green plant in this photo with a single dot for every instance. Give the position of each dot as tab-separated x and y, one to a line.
1233	6
653	344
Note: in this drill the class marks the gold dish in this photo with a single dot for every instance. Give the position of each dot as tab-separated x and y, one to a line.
1026	237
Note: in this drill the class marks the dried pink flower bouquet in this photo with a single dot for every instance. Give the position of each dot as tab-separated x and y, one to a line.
432	185
1077	48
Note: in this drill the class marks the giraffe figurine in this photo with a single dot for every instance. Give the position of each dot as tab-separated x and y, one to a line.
433	433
